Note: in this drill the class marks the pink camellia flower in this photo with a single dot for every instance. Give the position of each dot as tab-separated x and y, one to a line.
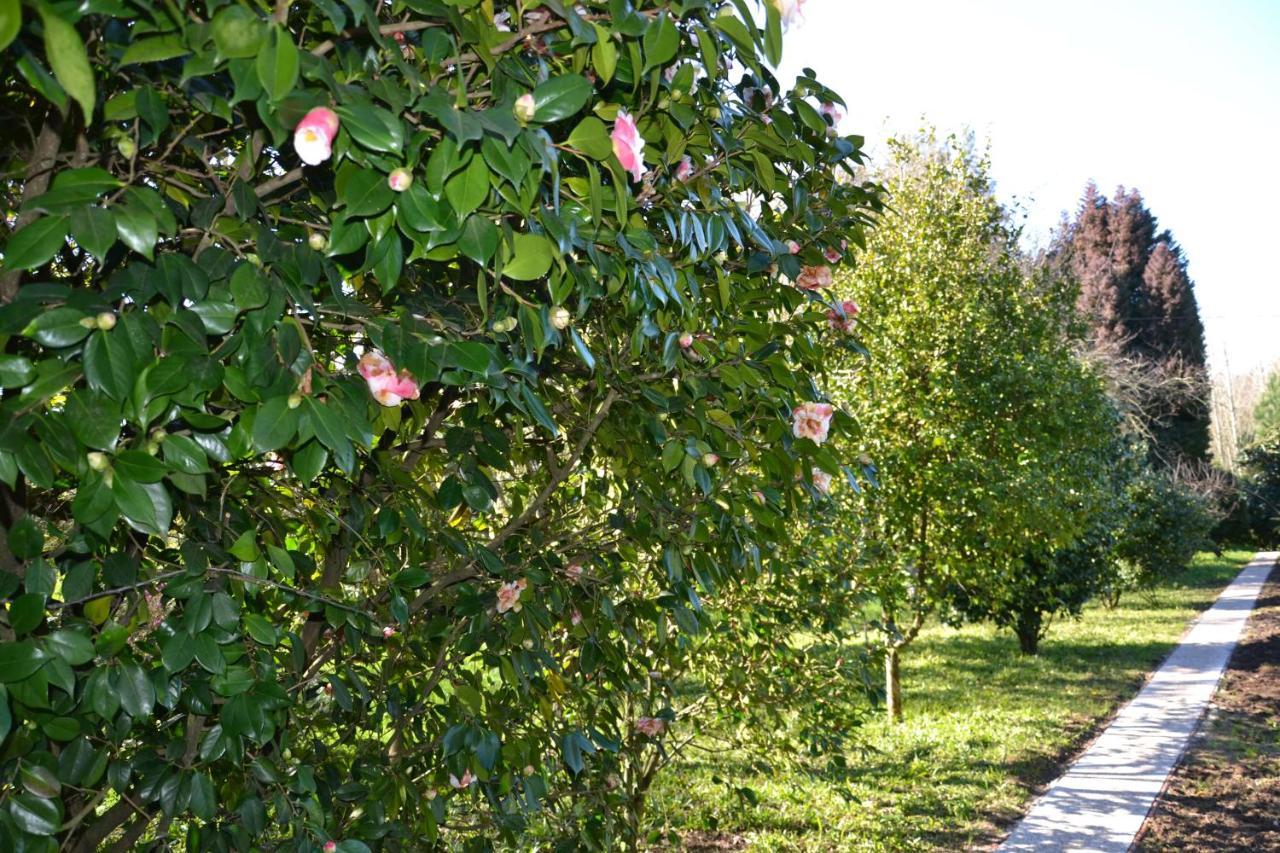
330	846
790	10
388	632
400	179
464	782
831	111
685	170
651	726
832	256
313	137
845	323
576	616
509	595
628	145
812	421
574	571
822	481
387	386
814	278
793	247
685	340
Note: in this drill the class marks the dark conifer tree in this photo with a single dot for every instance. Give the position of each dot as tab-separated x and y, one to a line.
1138	301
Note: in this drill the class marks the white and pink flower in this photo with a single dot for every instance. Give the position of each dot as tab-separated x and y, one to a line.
821	481
400	179
685	340
850	318
525	108
812	421
685	170
573	571
831	112
386	385
465	782
388	632
790	10
651	726
814	278
509	595
576	617
628	145
832	256
793	247
313	137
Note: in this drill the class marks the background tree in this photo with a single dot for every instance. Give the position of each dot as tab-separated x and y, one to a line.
340	345
1140	303
959	405
1266	413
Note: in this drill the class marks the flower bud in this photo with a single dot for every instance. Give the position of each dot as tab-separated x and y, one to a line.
431	793
294	401
98	461
528	770
159	434
710	459
561	318
330	847
388	632
525	108
506	324
106	321
400	179
317	241
126	147
686	340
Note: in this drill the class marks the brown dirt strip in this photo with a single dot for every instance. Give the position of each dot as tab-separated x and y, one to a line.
1225	793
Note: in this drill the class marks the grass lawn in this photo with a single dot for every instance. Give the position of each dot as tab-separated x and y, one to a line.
984	725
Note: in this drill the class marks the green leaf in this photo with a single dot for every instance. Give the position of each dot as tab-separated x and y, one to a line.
15	371
773	35
26	612
470	355
278	65
140	467
468	189
110	365
248	287
661	39
72	646
479	239
40	781
604	55
69	60
591	137
531	258
10	23
95	420
19	660
36	243
183	454
178	652
560	97
154	49
237	32
137	695
309	460
204	800
366	193
138	229
6	716
373	127
261	629
94	230
58	328
538	410
275	424
209	655
146	506
36	815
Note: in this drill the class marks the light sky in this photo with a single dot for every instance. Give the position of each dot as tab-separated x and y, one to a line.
1179	98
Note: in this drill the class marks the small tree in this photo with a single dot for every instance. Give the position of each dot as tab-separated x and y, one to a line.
1266	413
968	405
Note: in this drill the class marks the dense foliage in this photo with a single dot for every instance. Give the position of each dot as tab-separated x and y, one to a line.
987	431
384	385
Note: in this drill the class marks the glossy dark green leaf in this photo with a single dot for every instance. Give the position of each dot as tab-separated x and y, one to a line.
37	242
155	49
178	651
95	419
15	371
479	239
137	695
27	611
237	32
137	227
147	506
10	23
367	193
139	466
591	137
468	189
72	646
58	328
661	40
19	660
94	229
560	97
373	127
36	815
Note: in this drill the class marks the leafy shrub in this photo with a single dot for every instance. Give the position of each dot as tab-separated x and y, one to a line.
341	346
1165	525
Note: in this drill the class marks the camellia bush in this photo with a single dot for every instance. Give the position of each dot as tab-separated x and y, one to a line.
384	385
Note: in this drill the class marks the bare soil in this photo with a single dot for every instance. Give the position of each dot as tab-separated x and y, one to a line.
1225	794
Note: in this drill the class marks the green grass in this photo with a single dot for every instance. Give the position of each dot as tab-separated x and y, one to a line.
984	725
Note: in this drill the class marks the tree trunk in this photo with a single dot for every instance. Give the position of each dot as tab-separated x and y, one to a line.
1028	630
892	684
